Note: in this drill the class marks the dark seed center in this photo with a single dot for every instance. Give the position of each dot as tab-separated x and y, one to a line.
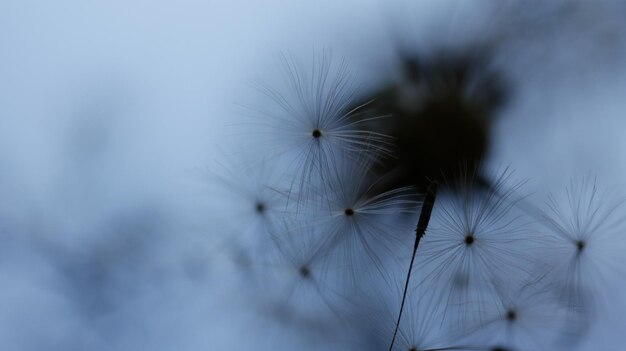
260	207
304	271
511	315
316	133
349	212
469	240
580	245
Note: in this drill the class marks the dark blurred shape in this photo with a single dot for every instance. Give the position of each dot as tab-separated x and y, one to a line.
440	116
442	110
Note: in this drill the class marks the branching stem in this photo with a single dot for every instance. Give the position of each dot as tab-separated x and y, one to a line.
420	231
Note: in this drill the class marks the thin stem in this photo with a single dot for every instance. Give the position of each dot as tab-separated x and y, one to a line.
420	230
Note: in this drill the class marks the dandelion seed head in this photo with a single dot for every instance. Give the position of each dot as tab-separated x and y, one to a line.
441	115
441	119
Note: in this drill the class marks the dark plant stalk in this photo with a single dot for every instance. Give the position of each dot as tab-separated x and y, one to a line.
420	231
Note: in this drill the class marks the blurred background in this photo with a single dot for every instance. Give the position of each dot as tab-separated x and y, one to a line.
108	109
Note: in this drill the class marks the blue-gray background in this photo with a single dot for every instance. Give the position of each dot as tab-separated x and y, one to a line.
109	108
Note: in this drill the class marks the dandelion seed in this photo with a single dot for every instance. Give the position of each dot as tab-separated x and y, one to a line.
313	124
476	240
585	240
365	231
298	278
526	316
244	193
